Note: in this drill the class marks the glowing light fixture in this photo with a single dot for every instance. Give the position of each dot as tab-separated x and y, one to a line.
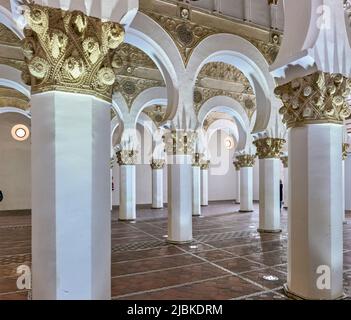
20	132
229	143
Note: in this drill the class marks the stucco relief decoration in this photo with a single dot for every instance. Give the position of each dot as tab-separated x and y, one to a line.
246	160
180	142
69	51
127	157
316	98
269	147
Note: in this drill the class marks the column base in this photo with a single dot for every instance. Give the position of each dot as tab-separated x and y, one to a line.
204	205
196	215
295	296
178	242
345	222
236	202
269	231
126	220
157	207
245	211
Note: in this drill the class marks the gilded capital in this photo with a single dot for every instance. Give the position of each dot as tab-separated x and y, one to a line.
180	142
268	148
196	160
204	164
345	146
157	164
246	160
284	160
127	157
69	51
236	165
316	98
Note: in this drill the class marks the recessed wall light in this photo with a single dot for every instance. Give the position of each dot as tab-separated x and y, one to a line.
20	132
228	143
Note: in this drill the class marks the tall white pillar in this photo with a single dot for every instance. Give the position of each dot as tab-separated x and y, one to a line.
246	163
196	190
348	182
127	188
285	182
204	183
157	166
268	150
344	157
237	182
179	160
71	219
315	243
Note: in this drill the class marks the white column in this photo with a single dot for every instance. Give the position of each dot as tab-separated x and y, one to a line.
348	182
237	182
343	192
286	188
196	191
127	193
315	206
247	10
71	219
269	205
180	199
157	188
246	189
204	185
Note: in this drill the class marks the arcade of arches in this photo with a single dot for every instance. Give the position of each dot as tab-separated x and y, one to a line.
163	149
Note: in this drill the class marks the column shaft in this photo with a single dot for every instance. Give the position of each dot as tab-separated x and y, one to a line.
348	183
246	189
71	220
269	207
157	188
127	195
180	198
315	219
196	191
204	187
237	198
286	188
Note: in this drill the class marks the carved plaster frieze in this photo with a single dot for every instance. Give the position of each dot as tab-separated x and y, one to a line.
284	160
316	98
201	95
345	147
236	165
69	51
180	142
246	160
268	148
7	37
187	35
126	157
131	87
157	113
157	164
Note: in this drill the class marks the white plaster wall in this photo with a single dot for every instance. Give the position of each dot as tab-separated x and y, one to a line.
15	165
221	178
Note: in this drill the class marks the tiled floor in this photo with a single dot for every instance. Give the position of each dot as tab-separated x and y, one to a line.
228	259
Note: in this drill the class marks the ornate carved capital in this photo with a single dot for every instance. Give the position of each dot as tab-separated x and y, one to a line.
196	159
157	164
205	164
236	165
284	159
345	146
246	160
269	147
126	157
180	142
69	51
316	98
